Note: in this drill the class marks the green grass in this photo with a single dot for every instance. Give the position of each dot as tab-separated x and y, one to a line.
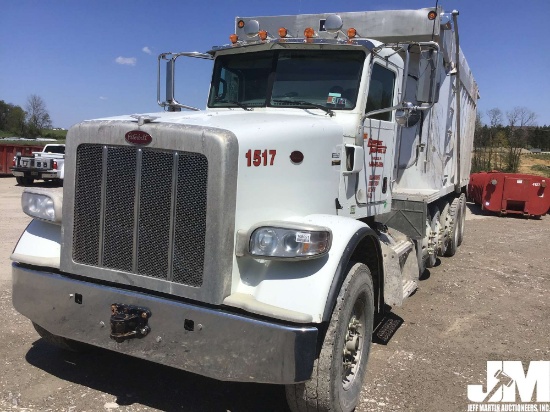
542	169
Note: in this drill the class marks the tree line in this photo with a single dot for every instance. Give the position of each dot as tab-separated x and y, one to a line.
499	143
30	122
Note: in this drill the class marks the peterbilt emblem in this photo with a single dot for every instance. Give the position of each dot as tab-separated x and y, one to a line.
138	137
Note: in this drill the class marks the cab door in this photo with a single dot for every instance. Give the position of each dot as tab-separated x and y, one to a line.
379	131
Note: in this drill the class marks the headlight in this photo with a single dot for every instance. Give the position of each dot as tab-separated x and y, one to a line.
281	242
39	206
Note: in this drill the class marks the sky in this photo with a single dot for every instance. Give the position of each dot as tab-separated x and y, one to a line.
88	59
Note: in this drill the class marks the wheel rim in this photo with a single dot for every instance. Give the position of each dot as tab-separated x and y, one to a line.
353	344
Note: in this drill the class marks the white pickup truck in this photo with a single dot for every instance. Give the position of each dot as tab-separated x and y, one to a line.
45	165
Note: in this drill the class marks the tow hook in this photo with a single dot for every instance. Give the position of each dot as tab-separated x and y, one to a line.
128	321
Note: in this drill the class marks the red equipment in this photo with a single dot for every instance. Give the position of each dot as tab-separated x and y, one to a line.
510	193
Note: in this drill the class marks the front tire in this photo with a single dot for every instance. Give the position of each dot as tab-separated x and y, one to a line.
339	371
28	181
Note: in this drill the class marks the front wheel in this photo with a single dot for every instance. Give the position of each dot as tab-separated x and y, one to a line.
339	371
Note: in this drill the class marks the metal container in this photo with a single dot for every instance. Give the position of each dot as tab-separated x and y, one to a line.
512	193
9	151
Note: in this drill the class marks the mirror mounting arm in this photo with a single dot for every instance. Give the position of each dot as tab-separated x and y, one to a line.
171	103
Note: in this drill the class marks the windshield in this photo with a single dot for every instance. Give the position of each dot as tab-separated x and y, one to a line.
55	149
327	79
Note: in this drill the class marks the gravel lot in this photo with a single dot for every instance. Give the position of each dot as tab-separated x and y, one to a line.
489	302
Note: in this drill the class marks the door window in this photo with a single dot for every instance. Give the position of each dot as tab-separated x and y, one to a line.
382	85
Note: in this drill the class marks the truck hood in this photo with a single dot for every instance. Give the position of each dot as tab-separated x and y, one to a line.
246	125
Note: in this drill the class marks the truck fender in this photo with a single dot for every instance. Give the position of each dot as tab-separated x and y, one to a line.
363	247
305	291
40	245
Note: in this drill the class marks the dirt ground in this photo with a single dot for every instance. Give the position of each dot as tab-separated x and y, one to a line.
535	164
489	302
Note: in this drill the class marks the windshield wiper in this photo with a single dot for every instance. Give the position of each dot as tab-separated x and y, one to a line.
305	103
241	105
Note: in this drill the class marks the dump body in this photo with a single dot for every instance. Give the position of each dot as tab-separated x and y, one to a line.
510	193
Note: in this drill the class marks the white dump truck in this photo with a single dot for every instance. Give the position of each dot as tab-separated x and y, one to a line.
258	240
48	165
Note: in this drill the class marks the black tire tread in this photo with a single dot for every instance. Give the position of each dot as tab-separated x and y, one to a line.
314	395
454	212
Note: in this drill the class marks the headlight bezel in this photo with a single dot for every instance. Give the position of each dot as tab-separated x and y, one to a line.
291	239
42	204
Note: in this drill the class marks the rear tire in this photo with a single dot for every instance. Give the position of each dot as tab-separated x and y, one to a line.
433	236
455	213
28	181
462	200
339	372
20	180
59	341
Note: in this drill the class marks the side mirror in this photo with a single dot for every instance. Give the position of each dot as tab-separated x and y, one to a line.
170	80
407	116
427	88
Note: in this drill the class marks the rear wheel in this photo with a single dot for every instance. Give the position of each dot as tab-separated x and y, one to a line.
28	181
339	371
433	238
20	180
455	215
462	200
59	341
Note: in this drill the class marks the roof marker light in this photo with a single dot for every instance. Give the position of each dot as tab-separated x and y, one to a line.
352	33
309	32
240	24
283	32
262	34
234	38
432	15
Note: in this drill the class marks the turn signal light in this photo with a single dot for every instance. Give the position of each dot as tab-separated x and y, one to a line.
309	33
352	32
283	32
233	38
262	34
432	15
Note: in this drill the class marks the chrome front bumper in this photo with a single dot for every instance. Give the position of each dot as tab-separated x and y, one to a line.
221	345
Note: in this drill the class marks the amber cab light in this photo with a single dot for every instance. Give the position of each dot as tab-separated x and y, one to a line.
309	32
262	34
432	15
233	38
240	24
283	32
352	32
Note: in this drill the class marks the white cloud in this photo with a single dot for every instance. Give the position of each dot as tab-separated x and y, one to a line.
129	61
102	98
146	50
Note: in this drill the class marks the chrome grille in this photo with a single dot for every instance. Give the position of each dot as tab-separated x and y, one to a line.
141	211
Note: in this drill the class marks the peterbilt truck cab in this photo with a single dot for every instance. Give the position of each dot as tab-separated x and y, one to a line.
258	239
